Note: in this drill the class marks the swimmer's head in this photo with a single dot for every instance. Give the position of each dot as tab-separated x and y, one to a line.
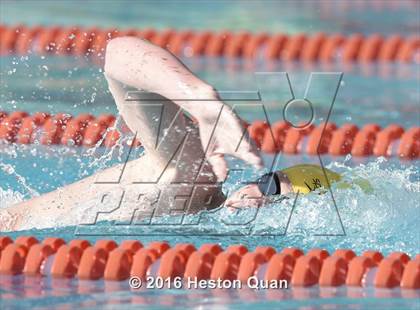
273	184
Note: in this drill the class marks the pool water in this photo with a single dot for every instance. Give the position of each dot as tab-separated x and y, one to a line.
382	94
117	295
387	93
379	16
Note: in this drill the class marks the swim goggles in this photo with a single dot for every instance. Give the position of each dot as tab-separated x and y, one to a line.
269	184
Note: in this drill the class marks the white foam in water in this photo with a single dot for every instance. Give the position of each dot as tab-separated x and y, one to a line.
114	152
9	197
9	169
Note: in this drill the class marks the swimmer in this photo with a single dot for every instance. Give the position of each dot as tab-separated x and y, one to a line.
199	131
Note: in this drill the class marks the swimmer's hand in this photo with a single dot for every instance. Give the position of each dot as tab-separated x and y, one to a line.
248	196
225	134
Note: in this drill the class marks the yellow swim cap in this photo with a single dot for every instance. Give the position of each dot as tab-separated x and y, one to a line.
306	178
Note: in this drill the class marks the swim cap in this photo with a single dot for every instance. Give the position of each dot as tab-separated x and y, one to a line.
306	178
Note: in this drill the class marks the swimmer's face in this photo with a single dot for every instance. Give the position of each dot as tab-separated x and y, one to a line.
252	196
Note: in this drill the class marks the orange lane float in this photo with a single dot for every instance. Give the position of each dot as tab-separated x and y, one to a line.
110	261
87	130
92	41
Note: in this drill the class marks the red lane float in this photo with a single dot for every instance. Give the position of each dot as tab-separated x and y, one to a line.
108	260
86	130
76	40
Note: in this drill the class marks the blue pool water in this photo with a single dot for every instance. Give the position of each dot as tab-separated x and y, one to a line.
383	94
379	16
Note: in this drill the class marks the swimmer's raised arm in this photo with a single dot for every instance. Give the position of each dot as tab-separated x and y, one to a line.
137	63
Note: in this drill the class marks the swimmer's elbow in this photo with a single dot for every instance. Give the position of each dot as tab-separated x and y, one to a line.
112	53
119	51
116	45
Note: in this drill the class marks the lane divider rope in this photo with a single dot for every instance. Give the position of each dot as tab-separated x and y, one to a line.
86	130
58	40
108	260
